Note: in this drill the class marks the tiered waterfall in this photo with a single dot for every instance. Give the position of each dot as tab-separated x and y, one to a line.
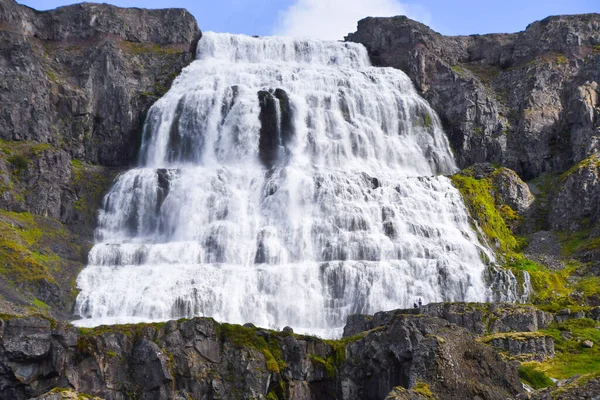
283	182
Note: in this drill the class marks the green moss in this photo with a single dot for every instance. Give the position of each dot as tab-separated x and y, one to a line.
18	161
28	259
327	365
91	183
591	161
423	389
52	76
533	377
517	336
596	49
242	337
427	122
139	48
40	304
548	285
477	194
561	60
459	71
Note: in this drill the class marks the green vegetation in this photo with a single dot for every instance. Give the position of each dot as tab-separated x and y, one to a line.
18	161
571	357
463	73
549	286
427	122
139	48
596	49
52	76
533	377
477	194
591	161
561	59
242	337
327	365
27	256
518	336
86	343
91	183
423	389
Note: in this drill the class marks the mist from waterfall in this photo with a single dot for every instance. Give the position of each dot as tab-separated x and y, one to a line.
283	182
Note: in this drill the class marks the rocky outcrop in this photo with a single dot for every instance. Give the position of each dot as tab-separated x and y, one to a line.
410	356
477	318
528	101
75	85
523	346
81	77
573	391
576	204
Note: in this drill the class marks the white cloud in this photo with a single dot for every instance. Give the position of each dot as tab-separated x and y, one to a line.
334	19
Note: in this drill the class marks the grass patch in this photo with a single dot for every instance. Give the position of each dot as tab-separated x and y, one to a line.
423	389
533	377
550	287
571	357
519	336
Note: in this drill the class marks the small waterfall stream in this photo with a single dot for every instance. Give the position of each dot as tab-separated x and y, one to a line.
283	182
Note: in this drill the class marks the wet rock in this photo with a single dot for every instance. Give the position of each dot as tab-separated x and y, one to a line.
276	126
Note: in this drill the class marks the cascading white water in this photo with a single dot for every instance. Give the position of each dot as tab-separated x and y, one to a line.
283	182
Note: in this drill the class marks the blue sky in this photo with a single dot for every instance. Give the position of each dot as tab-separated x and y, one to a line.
332	19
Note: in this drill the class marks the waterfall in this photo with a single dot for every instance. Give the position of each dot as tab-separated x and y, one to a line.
283	182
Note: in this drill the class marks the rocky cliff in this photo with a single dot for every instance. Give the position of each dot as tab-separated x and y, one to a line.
75	85
528	100
202	359
439	351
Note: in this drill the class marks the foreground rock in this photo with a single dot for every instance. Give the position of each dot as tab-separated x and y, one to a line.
528	100
406	356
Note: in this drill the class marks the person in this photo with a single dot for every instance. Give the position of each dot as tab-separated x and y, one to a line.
415	305
420	302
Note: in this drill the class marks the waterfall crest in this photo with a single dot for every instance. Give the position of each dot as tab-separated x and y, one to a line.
283	182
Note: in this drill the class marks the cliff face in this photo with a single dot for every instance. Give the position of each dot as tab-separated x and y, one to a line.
528	101
202	359
75	85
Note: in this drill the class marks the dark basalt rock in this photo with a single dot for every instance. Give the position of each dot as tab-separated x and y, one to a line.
528	100
476	318
277	130
200	358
